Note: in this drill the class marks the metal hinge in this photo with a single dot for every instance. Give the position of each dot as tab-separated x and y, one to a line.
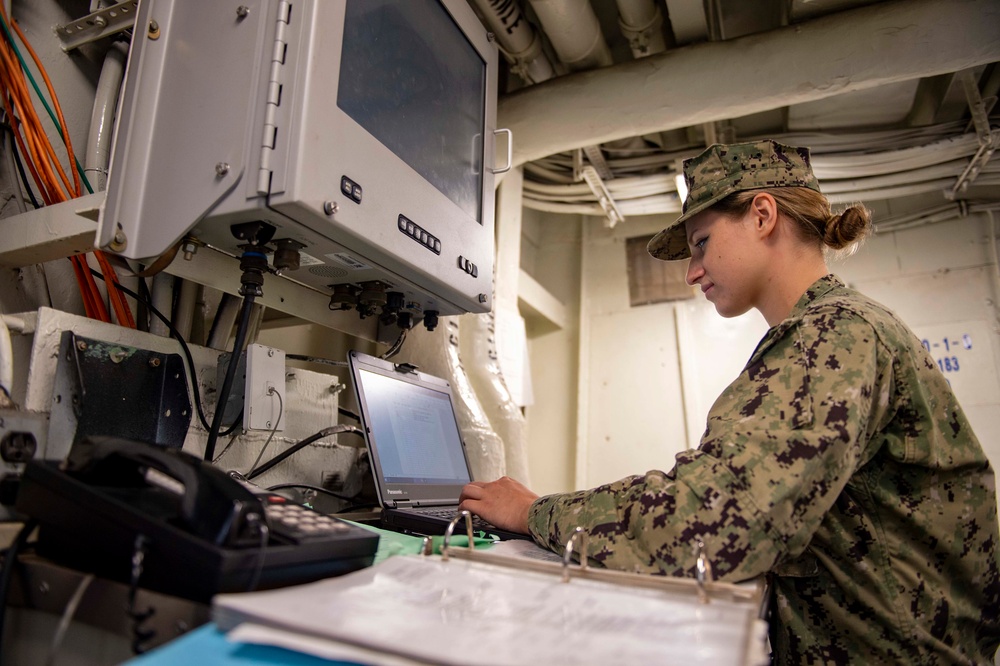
269	135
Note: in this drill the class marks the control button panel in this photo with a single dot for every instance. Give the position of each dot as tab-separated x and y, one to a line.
350	189
419	234
468	266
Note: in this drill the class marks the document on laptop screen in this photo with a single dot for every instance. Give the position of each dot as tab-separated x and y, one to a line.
414	431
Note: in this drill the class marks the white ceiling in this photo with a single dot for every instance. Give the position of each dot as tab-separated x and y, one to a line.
844	77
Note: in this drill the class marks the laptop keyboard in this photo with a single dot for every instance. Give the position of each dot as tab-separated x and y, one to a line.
478	524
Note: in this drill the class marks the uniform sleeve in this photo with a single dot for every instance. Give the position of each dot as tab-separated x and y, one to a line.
781	444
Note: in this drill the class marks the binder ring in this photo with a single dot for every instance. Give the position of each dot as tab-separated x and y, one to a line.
568	552
451	529
703	572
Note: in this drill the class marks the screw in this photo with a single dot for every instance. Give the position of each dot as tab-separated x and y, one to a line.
119	242
270	352
221	169
268	424
100	21
482	298
242	11
154	30
189	248
330	207
154	362
43	587
117	356
81	345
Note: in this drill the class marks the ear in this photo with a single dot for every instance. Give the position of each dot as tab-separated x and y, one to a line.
764	214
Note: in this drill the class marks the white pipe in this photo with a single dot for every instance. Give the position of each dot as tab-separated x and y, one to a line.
518	40
891	161
901	41
98	153
184	313
225	318
163	300
438	353
996	263
642	24
6	359
102	117
479	344
575	33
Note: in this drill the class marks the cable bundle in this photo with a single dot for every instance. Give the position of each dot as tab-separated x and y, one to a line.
51	180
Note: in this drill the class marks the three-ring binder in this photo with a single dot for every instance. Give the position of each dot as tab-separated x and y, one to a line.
703	586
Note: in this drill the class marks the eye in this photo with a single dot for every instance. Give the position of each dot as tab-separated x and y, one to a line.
700	243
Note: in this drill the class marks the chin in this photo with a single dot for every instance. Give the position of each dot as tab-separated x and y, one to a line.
729	312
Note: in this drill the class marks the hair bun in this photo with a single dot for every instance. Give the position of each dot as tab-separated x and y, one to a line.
851	226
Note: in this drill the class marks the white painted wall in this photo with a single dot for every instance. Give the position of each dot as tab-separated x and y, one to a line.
647	376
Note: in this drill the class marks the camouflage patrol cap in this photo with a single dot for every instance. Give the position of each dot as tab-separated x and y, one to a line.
722	170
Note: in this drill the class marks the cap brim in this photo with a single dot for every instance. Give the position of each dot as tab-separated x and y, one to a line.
671	243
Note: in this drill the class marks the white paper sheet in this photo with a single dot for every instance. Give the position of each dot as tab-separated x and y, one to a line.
461	613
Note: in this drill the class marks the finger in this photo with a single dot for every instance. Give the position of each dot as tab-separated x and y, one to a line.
471	491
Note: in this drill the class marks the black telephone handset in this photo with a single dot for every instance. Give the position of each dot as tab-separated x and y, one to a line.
202	531
211	505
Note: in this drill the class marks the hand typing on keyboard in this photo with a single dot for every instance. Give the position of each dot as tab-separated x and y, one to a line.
504	502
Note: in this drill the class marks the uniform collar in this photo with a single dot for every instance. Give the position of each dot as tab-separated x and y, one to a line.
816	290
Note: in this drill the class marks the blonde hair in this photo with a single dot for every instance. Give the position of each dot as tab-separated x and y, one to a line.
810	211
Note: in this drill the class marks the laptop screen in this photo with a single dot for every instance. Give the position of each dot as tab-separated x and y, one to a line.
416	448
415	431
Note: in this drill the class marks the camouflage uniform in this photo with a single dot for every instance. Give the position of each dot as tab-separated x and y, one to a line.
840	463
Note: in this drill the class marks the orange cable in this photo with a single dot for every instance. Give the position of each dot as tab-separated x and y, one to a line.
55	104
41	158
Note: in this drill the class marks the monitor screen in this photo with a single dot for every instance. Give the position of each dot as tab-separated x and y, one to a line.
415	434
410	77
356	136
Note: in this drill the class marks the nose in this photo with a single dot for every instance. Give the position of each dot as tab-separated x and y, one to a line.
694	271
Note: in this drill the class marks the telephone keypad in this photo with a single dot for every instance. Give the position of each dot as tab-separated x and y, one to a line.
298	522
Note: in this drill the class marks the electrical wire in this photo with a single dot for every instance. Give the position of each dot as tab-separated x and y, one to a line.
20	171
175	334
265	534
67	617
227	384
316	359
349	414
281	408
306	486
326	432
227	447
50	178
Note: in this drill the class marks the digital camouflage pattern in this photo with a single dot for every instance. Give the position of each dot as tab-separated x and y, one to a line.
722	170
840	463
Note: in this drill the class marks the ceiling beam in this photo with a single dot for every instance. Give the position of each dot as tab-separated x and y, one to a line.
851	50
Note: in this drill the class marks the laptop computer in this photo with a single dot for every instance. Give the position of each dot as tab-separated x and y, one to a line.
416	448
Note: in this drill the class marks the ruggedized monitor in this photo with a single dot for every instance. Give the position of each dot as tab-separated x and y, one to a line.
361	133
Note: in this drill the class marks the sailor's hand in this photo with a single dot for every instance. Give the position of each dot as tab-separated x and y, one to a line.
504	502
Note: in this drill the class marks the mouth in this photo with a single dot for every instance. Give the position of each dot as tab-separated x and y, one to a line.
705	288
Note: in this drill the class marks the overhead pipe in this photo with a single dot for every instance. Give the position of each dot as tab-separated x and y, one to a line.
901	41
575	33
518	40
642	24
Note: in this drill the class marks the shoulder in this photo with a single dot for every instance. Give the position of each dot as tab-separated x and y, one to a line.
848	312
